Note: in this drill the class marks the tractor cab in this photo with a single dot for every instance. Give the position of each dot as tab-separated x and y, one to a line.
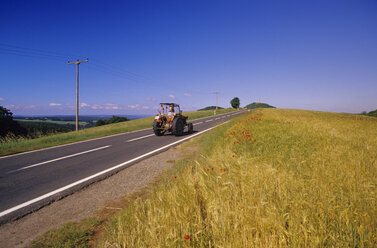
169	111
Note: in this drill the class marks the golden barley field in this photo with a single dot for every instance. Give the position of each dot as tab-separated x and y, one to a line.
270	178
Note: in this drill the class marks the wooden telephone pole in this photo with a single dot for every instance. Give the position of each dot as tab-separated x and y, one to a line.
217	101
77	90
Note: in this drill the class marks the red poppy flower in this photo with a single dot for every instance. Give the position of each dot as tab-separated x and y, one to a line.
175	176
187	237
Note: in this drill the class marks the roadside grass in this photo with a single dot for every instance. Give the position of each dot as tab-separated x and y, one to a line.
69	235
270	178
12	145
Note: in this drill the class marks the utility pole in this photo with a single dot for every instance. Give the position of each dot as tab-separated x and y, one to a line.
77	90
217	101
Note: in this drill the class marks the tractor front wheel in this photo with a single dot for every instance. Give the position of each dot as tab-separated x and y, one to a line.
156	129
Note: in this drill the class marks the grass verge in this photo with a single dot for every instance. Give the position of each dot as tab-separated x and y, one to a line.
69	235
17	145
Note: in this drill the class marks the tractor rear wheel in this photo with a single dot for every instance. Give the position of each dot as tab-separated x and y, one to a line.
156	129
178	127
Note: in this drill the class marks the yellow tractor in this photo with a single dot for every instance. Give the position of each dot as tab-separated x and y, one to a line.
170	119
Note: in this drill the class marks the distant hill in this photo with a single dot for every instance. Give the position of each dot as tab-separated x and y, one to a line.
258	105
210	108
372	113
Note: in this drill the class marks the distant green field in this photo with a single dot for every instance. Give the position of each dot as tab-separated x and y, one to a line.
16	145
81	123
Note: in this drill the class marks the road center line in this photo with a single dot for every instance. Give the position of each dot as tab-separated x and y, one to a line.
209	120
57	159
198	123
22	205
140	137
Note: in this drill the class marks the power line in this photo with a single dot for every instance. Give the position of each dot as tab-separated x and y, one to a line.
112	67
29	55
38	51
99	65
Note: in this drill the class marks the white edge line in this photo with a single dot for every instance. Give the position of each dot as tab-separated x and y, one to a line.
82	141
61	158
142	137
25	204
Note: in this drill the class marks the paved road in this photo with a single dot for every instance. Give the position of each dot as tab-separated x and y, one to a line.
31	180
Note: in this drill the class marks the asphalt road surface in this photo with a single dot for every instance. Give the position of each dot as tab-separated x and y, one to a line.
30	180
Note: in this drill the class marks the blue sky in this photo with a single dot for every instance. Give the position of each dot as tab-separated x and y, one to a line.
316	55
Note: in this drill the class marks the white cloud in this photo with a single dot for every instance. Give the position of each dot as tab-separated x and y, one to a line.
171	96
83	105
96	106
2	99
150	99
52	104
11	106
111	106
136	106
21	107
31	107
187	94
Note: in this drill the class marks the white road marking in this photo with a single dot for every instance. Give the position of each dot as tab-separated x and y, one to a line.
57	159
217	118
209	120
198	123
140	137
15	208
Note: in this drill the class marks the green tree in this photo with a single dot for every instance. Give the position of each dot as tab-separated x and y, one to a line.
116	119
100	123
113	119
8	125
235	102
